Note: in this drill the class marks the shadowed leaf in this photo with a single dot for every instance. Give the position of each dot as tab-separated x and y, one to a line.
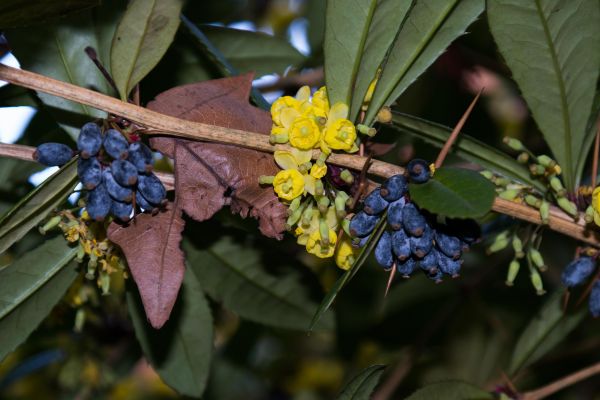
361	387
18	13
451	390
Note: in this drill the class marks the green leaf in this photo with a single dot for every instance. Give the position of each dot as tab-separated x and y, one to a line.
29	289
465	147
34	207
181	350
141	39
361	387
451	390
234	274
387	21
18	13
544	331
429	29
365	251
455	192
548	45
57	51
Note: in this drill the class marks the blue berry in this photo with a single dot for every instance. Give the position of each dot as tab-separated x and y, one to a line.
418	171
116	191
448	245
449	266
141	156
594	302
89	140
152	189
98	203
421	246
360	242
362	224
141	202
124	172
383	251
394	188
394	215
115	144
407	267
401	245
414	222
89	172
430	262
578	271
374	203
53	154
435	275
121	210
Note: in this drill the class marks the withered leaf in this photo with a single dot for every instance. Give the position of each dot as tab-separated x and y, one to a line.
209	176
151	245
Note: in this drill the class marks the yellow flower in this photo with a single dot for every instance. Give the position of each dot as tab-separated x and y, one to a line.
282	104
315	245
344	256
318	171
304	133
288	184
72	234
596	205
309	229
340	135
320	100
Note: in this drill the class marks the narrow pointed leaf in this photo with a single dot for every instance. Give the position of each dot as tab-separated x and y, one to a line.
548	46
431	26
451	390
34	207
181	351
29	289
361	387
141	39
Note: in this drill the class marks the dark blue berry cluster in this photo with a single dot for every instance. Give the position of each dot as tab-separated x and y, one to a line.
576	273
417	239
116	174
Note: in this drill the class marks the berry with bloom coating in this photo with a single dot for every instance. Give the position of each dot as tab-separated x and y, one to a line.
141	156
435	275
407	267
374	203
430	261
401	245
152	189
594	302
394	215
115	144
53	154
89	140
394	187
383	251
420	246
362	224
125	173
141	202
449	245
98	203
89	172
115	190
578	271
418	171
121	210
414	222
449	266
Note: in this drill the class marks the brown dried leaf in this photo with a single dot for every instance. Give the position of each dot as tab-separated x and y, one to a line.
151	245
209	176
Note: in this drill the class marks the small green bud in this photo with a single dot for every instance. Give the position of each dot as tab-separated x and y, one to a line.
307	215
545	212
105	283
340	204
384	115
546	161
346	226
500	243
52	223
487	174
536	281
79	320
537	259
589	214
523	158
366	130
278	138
537	169
513	143
293	218
509	194
533	201
568	206
294	205
513	270
501	181
517	245
323	205
324	230
319	189
266	179
557	186
347	177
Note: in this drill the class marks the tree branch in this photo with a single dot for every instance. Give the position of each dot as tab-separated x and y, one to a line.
562	383
160	124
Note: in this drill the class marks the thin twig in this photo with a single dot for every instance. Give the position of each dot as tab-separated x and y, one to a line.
163	124
452	138
390	280
561	383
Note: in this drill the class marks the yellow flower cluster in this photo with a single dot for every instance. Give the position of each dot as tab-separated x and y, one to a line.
596	205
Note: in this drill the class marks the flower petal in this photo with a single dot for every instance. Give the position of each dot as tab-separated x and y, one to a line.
285	159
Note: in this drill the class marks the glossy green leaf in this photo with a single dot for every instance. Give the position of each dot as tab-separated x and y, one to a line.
141	39
592	127
361	387
234	274
181	350
57	51
34	207
465	147
29	289
450	390
455	192
431	26
548	46
545	330
18	13
387	21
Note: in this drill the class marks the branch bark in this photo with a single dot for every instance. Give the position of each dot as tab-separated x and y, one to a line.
160	124
562	383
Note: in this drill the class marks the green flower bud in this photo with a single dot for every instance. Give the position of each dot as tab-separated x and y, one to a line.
513	270
265	180
537	169
533	201
513	143
347	177
500	243
546	161
323	205
319	189
545	212
509	194
366	130
517	245
52	223
537	259
487	174
568	206
346	226
589	215
536	281
523	158
294	205
557	186
324	230
79	320
278	138
104	283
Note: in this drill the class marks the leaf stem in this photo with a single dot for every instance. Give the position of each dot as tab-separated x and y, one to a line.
561	383
160	124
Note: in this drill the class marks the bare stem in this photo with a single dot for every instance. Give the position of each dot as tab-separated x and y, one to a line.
160	124
562	383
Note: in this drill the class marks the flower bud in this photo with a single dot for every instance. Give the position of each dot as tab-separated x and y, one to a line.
513	270
513	143
536	281
384	115
568	206
517	245
545	212
537	259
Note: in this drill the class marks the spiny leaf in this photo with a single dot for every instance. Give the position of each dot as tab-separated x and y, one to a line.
29	289
362	385
34	207
454	192
141	39
233	273
428	30
545	330
181	351
450	390
18	13
547	45
151	245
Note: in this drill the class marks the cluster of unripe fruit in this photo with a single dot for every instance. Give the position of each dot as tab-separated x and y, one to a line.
116	174
417	239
